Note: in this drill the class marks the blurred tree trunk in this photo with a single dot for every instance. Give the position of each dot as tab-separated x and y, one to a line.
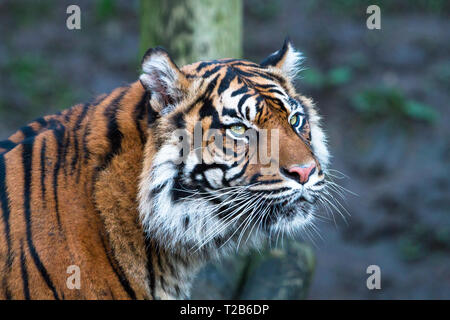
192	30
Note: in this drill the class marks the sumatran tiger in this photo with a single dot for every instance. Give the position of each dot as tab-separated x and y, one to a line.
99	189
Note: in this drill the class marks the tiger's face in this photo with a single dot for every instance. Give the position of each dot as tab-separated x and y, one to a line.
235	154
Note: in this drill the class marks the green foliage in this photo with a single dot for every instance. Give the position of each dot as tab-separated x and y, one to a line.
357	8
411	249
262	9
28	13
313	78
385	102
40	86
25	69
105	9
339	76
422	239
443	236
441	73
333	78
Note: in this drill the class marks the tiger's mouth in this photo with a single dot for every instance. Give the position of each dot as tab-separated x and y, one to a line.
234	215
296	205
299	199
293	212
287	205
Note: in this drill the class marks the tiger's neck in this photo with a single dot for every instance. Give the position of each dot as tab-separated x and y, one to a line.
125	117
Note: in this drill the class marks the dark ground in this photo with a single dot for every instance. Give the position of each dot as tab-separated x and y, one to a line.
383	93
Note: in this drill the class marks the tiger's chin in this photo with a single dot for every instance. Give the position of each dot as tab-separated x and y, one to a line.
292	219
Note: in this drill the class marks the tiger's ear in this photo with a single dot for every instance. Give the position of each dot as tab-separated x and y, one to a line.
287	59
163	80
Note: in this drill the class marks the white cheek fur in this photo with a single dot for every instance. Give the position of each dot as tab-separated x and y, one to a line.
319	141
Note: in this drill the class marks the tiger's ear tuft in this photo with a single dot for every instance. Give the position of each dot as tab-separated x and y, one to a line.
163	80
287	59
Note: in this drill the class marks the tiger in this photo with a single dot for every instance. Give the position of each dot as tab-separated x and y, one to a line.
104	190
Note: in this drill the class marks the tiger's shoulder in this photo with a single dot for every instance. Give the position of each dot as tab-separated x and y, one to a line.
60	177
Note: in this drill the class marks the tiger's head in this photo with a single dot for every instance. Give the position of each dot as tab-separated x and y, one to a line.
235	154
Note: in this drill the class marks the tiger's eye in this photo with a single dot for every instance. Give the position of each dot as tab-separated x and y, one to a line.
238	129
294	120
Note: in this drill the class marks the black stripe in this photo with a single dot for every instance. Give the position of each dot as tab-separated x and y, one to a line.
152	115
209	110
273	77
161	269
243	89
24	272
248	74
118	270
265	86
241	102
7	293
243	63
159	260
268	182
178	120
229	112
41	121
7	145
177	290
207	74
230	75
27	131
205	64
43	160
276	102
114	135
81	117
276	91
139	113
27	163
201	168
60	155
171	268
68	114
240	173
150	268
186	222
4	199
86	152
77	126
65	149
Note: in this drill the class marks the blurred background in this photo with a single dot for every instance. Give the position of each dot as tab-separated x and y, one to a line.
384	96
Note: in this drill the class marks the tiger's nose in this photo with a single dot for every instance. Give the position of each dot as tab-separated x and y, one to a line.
303	172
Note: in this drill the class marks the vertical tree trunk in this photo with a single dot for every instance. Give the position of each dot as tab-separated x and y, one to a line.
192	30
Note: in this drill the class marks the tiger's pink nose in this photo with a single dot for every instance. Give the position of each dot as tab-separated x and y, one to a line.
304	172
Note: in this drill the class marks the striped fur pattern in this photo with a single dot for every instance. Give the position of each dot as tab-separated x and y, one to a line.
100	185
